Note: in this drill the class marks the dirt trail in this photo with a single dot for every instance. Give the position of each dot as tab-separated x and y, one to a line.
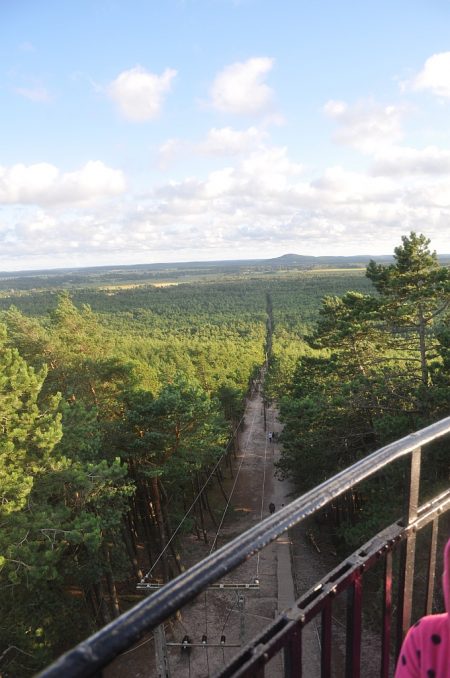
240	614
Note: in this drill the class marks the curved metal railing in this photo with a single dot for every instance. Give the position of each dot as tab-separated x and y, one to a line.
88	658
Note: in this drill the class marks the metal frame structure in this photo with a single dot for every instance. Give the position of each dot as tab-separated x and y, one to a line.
285	633
226	586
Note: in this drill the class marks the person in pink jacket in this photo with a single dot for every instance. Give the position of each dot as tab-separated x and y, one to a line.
426	648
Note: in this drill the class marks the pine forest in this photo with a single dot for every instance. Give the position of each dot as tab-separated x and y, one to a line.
119	396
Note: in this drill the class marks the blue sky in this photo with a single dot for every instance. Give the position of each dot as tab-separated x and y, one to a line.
152	131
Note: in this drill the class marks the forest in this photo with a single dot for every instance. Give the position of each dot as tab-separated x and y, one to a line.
118	400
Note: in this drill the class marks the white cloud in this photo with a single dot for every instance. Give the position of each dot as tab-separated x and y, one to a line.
220	183
338	185
239	88
403	161
45	184
140	94
36	93
219	142
39	225
367	126
334	108
169	150
228	141
263	172
435	195
435	75
93	180
270	168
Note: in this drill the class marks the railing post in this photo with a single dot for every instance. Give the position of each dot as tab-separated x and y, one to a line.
353	639
408	550
387	617
293	655
431	574
325	669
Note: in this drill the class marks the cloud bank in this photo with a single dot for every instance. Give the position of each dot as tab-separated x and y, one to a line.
264	203
367	125
45	184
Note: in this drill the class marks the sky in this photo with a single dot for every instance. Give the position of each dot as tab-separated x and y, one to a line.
146	131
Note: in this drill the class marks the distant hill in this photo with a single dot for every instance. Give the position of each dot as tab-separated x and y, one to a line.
93	276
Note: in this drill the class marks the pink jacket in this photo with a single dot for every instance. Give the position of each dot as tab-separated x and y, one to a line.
426	648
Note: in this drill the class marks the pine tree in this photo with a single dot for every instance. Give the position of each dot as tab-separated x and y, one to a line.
29	429
414	291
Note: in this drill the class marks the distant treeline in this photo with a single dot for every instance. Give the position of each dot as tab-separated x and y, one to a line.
186	272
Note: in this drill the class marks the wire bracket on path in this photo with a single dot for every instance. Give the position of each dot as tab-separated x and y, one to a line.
229	587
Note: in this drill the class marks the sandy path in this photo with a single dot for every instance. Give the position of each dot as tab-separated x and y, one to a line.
240	614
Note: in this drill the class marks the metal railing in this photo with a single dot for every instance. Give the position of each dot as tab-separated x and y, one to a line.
285	633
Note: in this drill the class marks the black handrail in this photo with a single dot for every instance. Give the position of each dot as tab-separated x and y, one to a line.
101	648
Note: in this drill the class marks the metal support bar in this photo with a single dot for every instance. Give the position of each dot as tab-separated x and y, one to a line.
387	617
253	655
408	551
431	574
293	655
144	586
326	640
241	608
202	645
353	640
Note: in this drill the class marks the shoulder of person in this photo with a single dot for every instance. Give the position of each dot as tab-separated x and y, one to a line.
430	624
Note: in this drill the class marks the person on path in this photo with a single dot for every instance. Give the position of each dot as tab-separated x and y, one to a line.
272	507
426	648
270	436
